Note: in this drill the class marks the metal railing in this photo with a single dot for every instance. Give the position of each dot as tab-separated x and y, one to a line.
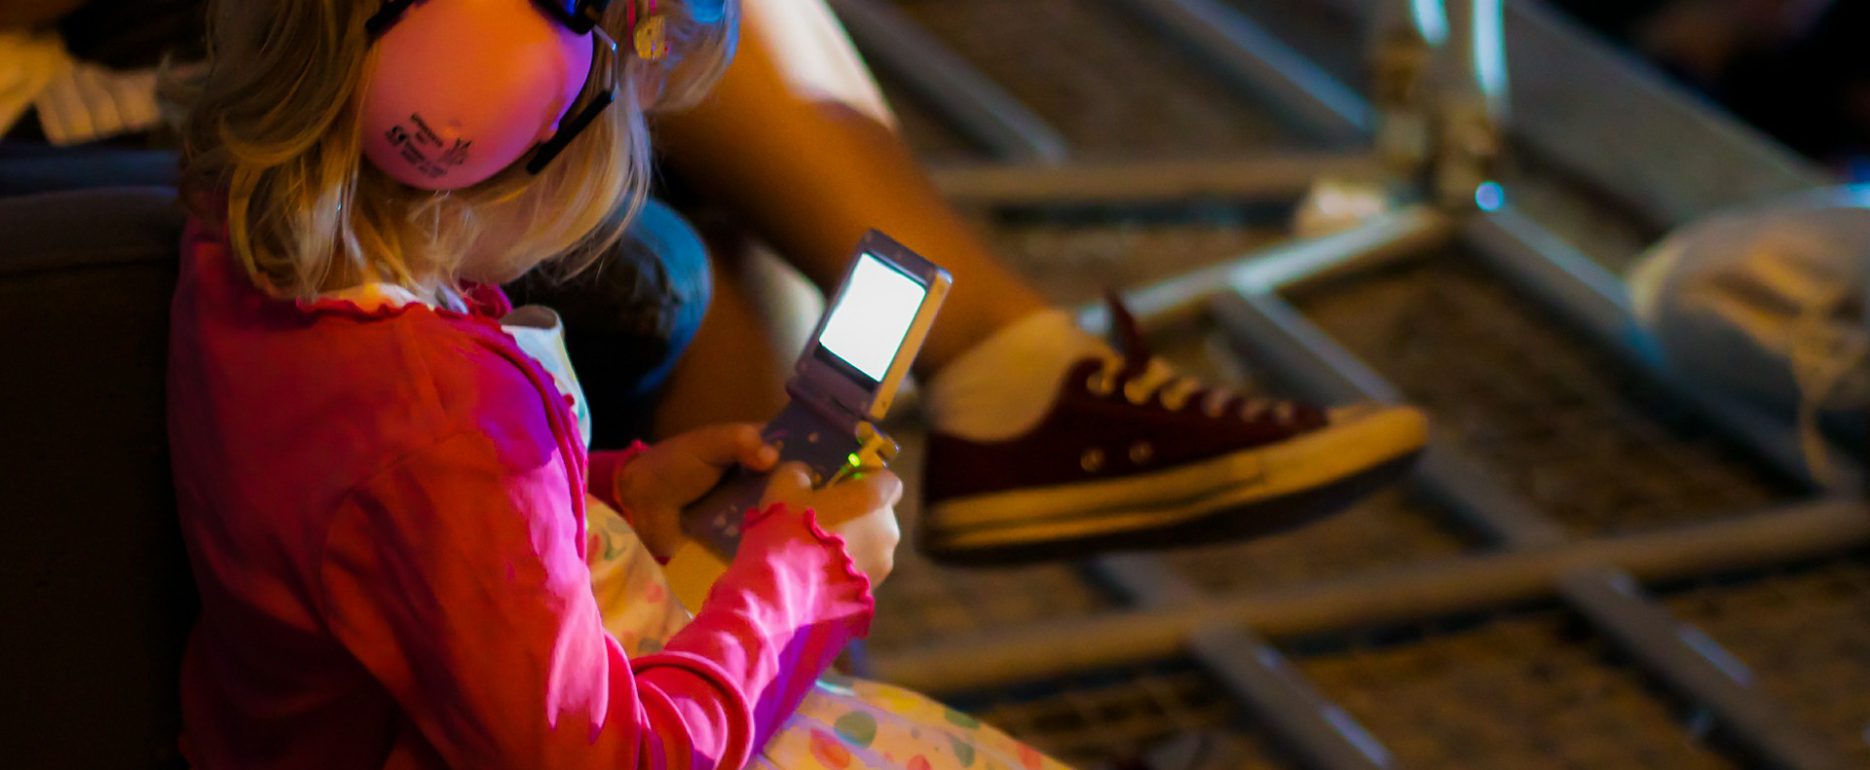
1532	556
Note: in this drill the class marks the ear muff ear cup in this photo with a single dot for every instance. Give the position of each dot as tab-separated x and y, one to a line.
461	89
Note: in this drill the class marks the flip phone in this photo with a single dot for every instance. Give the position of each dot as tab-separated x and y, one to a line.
841	387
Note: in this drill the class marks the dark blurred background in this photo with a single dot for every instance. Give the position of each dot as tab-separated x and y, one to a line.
1795	68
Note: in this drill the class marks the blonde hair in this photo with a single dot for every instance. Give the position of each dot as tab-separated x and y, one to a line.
272	149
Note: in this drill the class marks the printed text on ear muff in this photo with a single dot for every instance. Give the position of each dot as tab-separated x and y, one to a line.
424	149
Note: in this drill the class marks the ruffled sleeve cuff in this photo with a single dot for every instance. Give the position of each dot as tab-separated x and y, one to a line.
789	603
603	470
847	589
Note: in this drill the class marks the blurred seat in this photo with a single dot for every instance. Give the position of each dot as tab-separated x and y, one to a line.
97	599
35	168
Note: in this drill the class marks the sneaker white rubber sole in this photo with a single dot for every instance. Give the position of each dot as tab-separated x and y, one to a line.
1243	494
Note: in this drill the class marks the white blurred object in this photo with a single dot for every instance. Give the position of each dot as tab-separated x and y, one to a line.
29	61
1768	302
1335	205
75	101
87	102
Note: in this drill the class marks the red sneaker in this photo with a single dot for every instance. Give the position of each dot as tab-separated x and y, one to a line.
1132	455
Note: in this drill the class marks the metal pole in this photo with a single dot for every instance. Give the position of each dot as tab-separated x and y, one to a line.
1625	128
1323	734
978	107
1273	177
1438	589
1260	62
1309	724
1716	678
1176	301
1642	627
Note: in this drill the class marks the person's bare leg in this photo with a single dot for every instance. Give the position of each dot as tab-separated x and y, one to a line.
798	108
32	13
736	367
1043	440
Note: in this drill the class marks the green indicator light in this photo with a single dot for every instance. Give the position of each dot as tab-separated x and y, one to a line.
854	460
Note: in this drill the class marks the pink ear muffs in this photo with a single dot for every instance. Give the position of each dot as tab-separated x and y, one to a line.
464	88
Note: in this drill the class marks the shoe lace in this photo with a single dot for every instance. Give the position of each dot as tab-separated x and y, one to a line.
1144	378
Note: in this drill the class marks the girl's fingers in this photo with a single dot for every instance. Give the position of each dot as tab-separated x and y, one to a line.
751	449
789	481
724	445
757	455
891	487
872	491
883	488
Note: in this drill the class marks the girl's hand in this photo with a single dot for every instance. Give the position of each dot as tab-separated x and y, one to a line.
656	485
859	509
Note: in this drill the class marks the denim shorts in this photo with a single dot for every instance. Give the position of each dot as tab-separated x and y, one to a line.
629	318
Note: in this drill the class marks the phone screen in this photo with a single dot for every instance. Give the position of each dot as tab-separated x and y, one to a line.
872	316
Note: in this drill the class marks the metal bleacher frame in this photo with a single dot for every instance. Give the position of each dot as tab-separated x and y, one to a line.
1531	556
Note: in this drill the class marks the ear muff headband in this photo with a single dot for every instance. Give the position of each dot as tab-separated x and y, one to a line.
438	122
580	16
595	101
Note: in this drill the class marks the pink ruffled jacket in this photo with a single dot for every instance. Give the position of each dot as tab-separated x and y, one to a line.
385	514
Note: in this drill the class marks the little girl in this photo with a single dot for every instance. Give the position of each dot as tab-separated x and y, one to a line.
381	464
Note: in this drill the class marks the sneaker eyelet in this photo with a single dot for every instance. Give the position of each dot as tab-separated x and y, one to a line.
1253	410
1134	395
1141	452
1092	460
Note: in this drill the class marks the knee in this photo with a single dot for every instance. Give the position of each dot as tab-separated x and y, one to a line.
631	317
673	260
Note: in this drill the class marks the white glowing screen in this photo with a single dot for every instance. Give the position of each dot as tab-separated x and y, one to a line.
870	320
